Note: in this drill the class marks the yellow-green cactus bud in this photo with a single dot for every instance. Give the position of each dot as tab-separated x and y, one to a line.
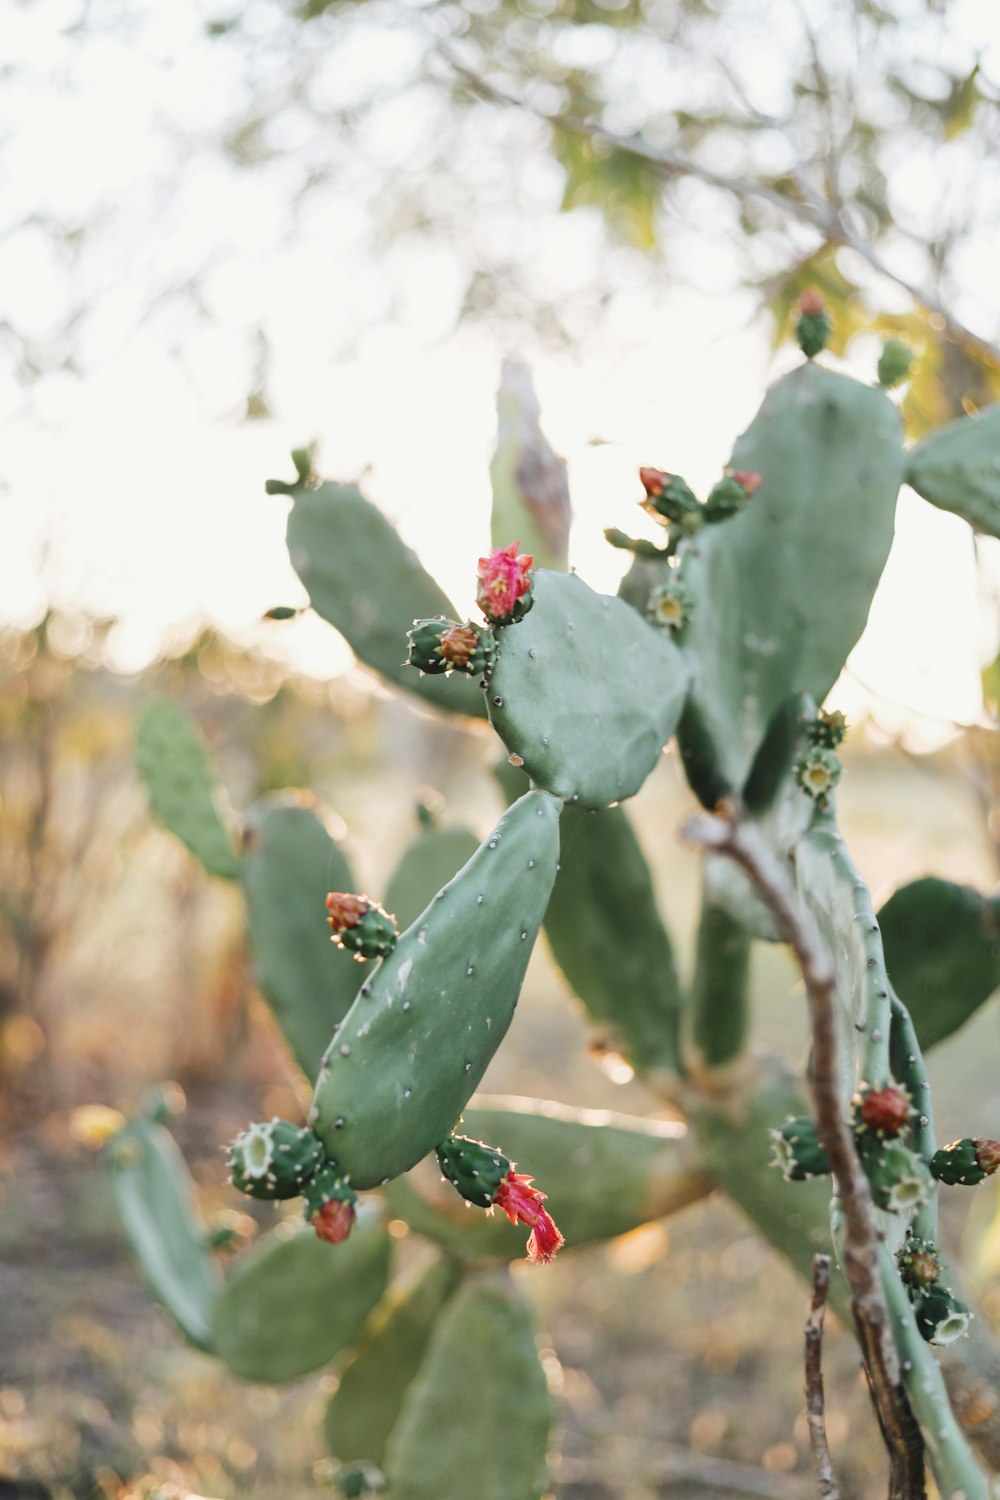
817	772
274	1159
895	362
670	605
827	730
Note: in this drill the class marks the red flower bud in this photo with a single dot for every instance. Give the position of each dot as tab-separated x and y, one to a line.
458	644
345	910
334	1221
523	1205
811	302
885	1111
987	1155
653	481
748	480
503	580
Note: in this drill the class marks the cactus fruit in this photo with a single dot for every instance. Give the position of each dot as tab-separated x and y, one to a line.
484	1176
479	1405
584	693
290	860
670	499
894	363
184	789
796	1149
441	645
154	1196
670	605
884	1111
919	1263
274	1160
966	1162
728	497
330	1204
941	1316
360	925
340	544
899	1180
416	1042
813	326
290	1305
504	592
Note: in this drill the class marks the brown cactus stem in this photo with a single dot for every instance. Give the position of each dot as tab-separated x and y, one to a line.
815	1406
741	843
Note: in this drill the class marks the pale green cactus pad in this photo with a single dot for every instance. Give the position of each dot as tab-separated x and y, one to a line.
782	591
584	693
290	862
294	1300
425	1025
363	1409
476	1419
155	1199
428	864
957	468
363	579
607	937
942	951
185	792
604	1173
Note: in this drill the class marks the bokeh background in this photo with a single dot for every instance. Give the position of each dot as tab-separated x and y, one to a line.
227	230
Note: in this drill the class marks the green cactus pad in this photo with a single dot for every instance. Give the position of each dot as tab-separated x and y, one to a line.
957	468
941	1316
428	864
184	789
476	1418
584	693
363	1410
604	1173
290	862
782	591
796	1149
363	579
154	1195
607	937
958	1164
424	1027
942	950
294	1301
274	1159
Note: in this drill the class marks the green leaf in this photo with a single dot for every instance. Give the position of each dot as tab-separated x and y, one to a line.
184	788
476	1419
942	949
154	1195
957	469
294	1300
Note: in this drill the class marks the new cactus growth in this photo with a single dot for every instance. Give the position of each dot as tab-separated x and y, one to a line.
361	926
585	692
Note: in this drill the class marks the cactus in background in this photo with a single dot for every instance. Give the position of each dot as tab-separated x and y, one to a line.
729	634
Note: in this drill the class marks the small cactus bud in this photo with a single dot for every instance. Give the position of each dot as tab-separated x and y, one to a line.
895	362
282	612
441	645
330	1204
504	593
796	1149
473	1168
919	1263
941	1316
827	730
883	1111
670	605
813	327
274	1159
731	494
668	497
817	772
966	1162
355	1479
898	1178
361	926
523	1205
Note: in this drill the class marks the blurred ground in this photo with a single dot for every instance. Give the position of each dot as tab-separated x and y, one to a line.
680	1346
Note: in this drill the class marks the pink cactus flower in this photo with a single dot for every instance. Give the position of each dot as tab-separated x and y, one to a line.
523	1205
503	580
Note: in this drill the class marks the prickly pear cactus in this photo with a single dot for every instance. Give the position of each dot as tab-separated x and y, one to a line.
418	1038
184	790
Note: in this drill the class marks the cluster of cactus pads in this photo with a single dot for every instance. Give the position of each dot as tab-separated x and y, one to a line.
727	633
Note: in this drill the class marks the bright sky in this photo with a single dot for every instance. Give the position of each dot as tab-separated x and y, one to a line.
137	491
